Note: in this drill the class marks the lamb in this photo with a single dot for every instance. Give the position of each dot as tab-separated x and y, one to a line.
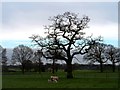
53	79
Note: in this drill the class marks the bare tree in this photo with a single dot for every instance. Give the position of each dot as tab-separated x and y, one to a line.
65	39
4	57
112	54
4	60
96	54
21	54
54	53
37	59
118	55
1	49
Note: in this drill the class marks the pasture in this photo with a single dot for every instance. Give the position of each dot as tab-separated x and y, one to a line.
82	79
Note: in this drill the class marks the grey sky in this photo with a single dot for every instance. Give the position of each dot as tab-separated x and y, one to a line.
59	0
22	19
39	11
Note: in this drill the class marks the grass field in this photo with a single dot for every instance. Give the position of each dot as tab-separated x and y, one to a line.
82	79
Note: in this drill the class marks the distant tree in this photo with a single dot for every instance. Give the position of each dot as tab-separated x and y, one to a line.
28	65
111	55
37	59
22	53
54	53
4	57
96	54
4	60
1	49
65	39
118	55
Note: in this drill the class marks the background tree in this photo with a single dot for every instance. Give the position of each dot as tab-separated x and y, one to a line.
96	54
118	55
37	57
54	53
22	53
65	35
28	65
112	54
1	49
4	57
4	60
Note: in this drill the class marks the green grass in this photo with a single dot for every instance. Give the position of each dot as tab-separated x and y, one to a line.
82	79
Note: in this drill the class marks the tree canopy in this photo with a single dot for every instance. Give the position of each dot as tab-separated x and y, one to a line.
21	54
97	54
65	38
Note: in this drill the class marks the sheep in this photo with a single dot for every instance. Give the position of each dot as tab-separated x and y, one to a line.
53	79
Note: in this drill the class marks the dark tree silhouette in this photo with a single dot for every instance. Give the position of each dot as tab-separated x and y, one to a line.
113	54
96	54
1	48
4	60
4	57
20	54
65	39
54	54
37	57
27	65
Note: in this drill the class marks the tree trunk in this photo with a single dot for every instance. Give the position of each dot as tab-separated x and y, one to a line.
113	65
69	71
53	66
23	69
39	66
101	67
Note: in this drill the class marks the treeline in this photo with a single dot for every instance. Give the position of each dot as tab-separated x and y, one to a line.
48	67
24	58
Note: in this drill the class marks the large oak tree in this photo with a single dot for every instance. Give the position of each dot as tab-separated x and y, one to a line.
65	39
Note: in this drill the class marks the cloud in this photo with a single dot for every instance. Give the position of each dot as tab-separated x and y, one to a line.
16	14
21	20
107	31
21	33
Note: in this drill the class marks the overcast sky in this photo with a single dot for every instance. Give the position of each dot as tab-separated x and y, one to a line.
22	19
